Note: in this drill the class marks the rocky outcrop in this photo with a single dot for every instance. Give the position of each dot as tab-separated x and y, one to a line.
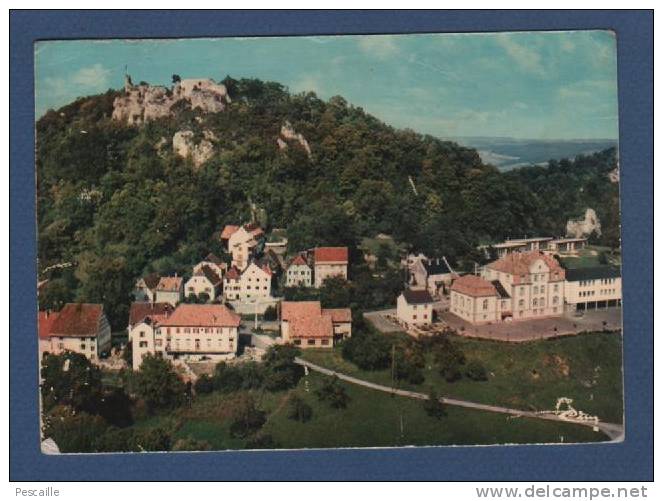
142	103
288	133
184	146
580	228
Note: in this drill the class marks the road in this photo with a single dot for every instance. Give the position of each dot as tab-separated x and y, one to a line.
614	431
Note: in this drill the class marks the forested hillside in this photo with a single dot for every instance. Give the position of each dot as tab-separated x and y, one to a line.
116	201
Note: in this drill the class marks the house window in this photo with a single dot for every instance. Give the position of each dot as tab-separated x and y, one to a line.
310	342
157	343
298	342
325	342
143	344
485	304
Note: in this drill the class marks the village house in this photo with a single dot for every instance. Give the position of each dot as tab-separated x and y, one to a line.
307	325
329	262
596	287
138	311
298	273
241	242
82	328
204	281
214	262
415	307
433	274
145	289
169	290
519	286
191	332
252	284
522	245
45	321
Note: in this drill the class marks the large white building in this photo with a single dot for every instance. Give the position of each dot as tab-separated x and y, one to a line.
593	288
191	332
518	286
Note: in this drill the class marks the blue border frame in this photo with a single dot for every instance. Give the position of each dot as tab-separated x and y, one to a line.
631	460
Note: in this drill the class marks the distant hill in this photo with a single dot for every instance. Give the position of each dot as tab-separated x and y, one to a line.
508	153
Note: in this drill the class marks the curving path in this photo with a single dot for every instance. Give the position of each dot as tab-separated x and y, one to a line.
614	431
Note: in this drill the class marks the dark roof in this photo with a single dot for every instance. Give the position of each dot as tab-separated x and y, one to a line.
436	267
138	311
500	289
209	274
592	273
417	296
151	280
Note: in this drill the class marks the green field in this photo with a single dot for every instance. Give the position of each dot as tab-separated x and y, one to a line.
528	376
372	419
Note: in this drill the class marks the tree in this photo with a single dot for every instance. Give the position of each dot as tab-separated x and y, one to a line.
298	409
158	385
434	406
367	350
283	372
333	393
70	379
176	78
73	431
270	313
246	418
476	371
335	292
115	408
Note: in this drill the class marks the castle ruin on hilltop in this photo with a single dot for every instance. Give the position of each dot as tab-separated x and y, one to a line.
142	103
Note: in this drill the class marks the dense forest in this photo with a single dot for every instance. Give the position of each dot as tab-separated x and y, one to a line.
115	200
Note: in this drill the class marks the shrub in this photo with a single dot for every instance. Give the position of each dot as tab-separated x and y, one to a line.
299	410
73	431
191	444
270	313
282	371
261	441
476	371
433	406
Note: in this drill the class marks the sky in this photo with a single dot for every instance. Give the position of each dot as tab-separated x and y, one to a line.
528	85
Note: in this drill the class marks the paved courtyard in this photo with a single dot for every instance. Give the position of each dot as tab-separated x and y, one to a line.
529	330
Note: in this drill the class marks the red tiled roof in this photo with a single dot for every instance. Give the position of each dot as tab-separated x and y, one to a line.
338	314
202	315
138	311
78	319
169	284
299	309
417	296
45	320
471	285
228	231
311	327
298	261
331	254
518	263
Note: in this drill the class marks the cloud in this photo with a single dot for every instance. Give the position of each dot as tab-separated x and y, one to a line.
309	83
379	46
92	77
526	57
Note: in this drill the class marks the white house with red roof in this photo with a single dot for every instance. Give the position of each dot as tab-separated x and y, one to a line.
518	286
298	273
307	325
169	290
191	332
241	241
329	262
79	327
